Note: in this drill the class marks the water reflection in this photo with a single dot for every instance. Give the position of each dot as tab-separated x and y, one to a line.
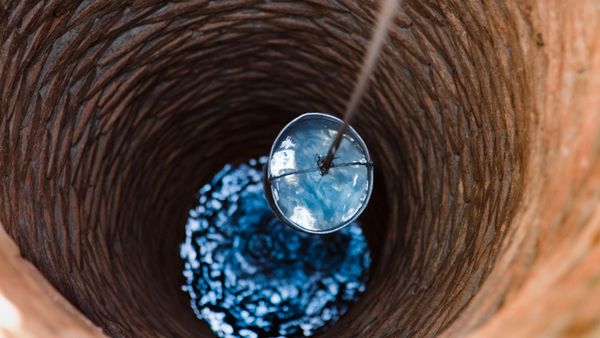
248	275
304	196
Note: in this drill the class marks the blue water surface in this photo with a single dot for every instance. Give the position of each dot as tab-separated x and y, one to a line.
249	275
312	201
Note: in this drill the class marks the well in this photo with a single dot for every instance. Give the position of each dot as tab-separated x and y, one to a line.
482	119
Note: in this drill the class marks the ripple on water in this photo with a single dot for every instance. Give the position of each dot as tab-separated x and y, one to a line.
249	275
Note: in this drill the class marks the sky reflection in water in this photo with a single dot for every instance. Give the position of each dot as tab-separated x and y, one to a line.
249	275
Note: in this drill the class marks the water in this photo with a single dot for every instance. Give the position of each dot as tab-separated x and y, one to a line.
248	275
306	198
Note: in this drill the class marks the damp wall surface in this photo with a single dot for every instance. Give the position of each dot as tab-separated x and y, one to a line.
482	119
